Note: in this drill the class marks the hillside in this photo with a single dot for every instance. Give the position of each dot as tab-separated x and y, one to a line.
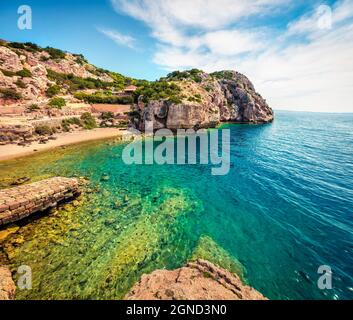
31	74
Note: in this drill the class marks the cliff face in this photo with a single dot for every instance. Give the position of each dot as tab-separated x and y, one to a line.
200	280
225	96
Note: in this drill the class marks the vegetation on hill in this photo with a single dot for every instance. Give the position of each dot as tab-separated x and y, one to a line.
10	94
193	74
158	90
57	103
103	97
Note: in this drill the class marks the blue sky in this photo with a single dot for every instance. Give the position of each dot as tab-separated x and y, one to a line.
297	53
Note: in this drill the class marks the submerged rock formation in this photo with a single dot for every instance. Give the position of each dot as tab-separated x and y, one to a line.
19	202
204	101
199	280
7	286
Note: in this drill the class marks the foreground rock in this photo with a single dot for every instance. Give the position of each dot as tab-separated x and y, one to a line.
7	286
200	280
20	202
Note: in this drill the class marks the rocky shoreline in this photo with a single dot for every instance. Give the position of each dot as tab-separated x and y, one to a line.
198	280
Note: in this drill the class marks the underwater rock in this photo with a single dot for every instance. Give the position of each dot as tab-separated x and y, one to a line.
199	280
7	285
105	177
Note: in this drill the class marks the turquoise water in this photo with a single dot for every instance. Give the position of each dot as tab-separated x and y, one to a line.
284	209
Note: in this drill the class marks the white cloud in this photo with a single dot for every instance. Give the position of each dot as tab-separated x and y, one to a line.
315	74
118	37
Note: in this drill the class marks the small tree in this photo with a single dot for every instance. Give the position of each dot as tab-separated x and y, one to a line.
52	91
57	103
88	121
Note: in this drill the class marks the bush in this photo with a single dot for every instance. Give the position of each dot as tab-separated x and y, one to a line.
88	121
55	53
70	121
52	91
17	45
21	84
100	97
24	73
107	115
10	94
160	90
193	74
76	83
8	73
33	107
43	130
57	103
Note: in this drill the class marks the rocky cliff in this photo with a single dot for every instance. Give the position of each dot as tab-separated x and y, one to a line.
203	101
199	280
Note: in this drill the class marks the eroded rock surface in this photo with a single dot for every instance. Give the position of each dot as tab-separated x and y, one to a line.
7	285
199	280
226	96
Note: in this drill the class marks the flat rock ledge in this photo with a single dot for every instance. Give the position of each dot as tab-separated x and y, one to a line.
19	202
199	280
7	286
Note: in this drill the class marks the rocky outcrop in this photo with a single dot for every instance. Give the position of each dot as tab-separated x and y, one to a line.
7	285
20	202
32	89
199	280
225	96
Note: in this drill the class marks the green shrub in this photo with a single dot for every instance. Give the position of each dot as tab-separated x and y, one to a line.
88	121
24	73
76	83
3	43
70	121
160	90
55	53
52	91
193	74
8	73
43	130
10	94
107	115
33	107
80	59
101	97
17	45
32	47
19	83
57	103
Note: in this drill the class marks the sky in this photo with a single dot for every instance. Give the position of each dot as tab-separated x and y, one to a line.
298	53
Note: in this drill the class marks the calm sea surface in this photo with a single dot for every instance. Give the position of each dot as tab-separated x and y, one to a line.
285	208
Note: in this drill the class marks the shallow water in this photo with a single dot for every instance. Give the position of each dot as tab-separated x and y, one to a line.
284	209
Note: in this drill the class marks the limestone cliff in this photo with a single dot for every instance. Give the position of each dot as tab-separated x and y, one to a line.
205	101
199	280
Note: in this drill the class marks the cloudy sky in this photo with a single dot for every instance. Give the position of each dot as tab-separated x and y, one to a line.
298	53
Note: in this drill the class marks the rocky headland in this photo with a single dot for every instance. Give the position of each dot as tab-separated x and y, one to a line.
199	280
201	100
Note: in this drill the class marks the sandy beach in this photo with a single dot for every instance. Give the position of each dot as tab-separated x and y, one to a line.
12	151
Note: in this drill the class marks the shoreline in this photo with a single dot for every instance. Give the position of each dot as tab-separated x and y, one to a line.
12	151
